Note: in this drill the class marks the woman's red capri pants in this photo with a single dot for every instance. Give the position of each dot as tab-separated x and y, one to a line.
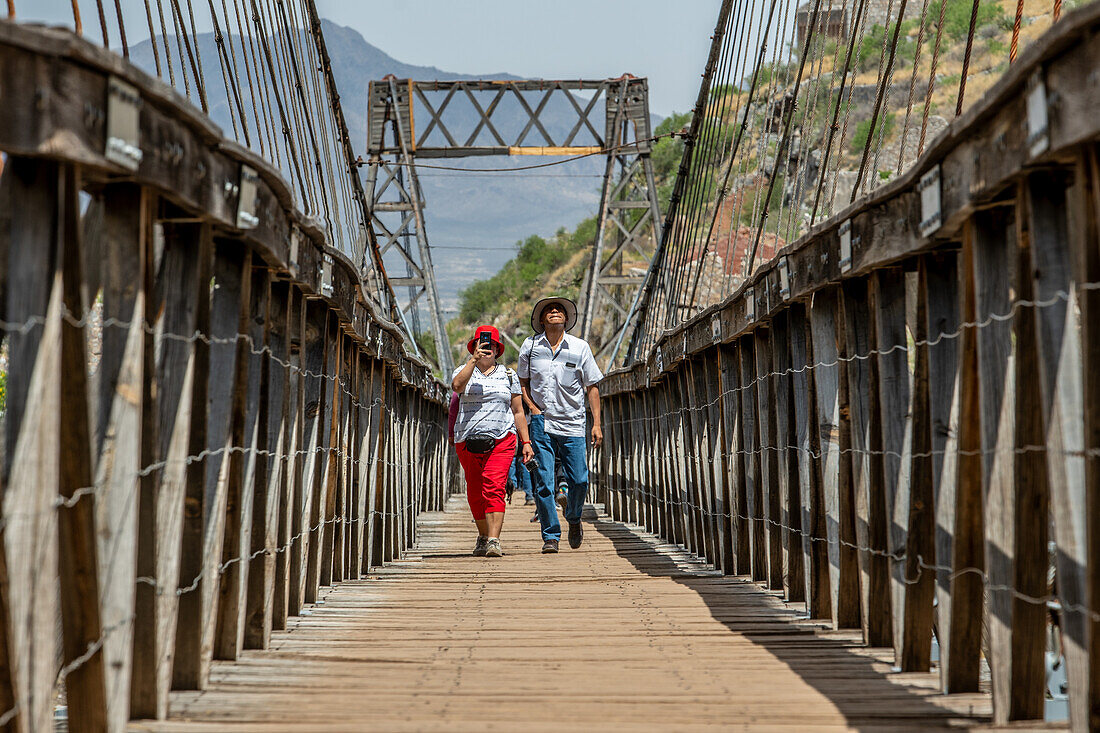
487	474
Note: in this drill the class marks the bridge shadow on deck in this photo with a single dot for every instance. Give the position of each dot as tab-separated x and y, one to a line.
857	679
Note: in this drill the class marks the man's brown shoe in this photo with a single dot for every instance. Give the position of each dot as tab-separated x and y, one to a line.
549	547
576	534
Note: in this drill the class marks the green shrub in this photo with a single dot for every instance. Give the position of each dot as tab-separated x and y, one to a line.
667	151
870	50
956	23
863	129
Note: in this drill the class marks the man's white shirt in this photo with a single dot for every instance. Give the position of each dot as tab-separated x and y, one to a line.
559	379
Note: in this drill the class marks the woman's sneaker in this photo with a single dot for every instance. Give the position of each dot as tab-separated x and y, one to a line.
480	547
492	548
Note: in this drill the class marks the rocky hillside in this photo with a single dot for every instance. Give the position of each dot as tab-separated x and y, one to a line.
506	299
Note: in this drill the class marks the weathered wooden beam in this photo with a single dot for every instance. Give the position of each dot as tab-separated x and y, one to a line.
954	414
315	442
176	390
1016	672
269	500
790	512
78	557
127	233
732	411
872	521
815	556
249	467
1084	203
831	387
770	504
750	436
1058	351
210	480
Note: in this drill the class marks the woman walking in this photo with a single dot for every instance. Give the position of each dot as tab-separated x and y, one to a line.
490	413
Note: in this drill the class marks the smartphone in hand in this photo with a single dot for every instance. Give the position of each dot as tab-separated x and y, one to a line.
485	341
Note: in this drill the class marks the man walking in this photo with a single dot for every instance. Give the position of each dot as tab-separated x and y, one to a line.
556	373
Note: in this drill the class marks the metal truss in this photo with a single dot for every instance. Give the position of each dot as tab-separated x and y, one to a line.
397	216
629	224
629	219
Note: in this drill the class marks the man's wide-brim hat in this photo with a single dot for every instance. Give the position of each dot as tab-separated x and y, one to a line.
494	336
570	312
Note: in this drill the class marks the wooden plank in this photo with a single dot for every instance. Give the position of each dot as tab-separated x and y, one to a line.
830	383
995	271
868	484
127	235
770	504
269	499
790	511
249	469
815	549
954	414
671	637
750	444
31	466
1062	430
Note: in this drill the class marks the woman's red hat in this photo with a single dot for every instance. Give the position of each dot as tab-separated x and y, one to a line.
494	335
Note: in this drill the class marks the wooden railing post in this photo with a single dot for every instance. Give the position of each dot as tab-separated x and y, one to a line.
815	551
708	394
954	415
750	443
769	508
250	470
122	268
831	387
1016	631
790	512
1055	237
32	447
269	502
865	421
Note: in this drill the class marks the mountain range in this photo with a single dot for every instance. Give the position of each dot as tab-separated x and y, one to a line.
473	218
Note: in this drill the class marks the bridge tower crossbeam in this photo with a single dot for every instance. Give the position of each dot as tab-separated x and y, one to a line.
628	226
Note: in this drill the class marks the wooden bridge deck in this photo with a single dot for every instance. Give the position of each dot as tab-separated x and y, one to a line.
623	634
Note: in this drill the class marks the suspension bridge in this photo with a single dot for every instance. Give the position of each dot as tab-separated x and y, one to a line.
852	415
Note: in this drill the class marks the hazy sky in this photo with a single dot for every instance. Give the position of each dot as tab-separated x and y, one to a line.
664	40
